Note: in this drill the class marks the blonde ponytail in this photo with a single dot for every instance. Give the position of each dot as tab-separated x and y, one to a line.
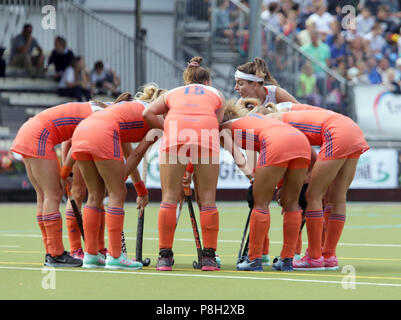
149	93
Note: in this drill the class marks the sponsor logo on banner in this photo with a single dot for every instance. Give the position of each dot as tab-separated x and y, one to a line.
378	112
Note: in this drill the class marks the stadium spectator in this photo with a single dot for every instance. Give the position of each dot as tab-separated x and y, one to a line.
373	74
222	22
104	79
61	57
357	49
383	18
272	16
337	49
323	19
398	70
307	90
303	36
364	21
320	52
373	5
75	81
382	68
374	39
22	47
391	83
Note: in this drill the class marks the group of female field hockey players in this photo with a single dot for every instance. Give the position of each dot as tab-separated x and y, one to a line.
193	120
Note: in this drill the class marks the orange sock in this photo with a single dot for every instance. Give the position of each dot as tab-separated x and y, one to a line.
166	224
91	221
101	231
266	245
335	226
209	221
39	218
54	230
115	225
326	214
298	248
74	234
291	224
258	228
314	226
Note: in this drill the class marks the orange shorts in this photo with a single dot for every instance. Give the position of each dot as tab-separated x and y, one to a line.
35	140
342	138
95	139
290	149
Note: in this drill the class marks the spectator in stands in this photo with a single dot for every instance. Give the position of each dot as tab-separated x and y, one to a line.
303	36
75	81
364	21
373	74
357	48
383	17
373	5
307	90
382	68
224	28
61	57
337	49
374	39
2	63
272	15
357	75
391	83
105	79
323	19
398	70
22	47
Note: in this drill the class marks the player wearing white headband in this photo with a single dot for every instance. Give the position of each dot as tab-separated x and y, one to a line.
254	80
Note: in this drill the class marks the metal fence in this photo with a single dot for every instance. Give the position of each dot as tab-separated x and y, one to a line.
89	36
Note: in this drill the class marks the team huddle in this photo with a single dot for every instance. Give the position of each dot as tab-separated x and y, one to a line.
192	122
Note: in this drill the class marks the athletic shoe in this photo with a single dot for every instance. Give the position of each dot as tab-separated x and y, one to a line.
78	254
265	260
122	262
218	260
307	263
165	260
104	252
331	263
209	262
247	265
92	261
46	257
63	260
297	257
282	264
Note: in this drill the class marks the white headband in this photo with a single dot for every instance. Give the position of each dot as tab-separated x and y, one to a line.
247	76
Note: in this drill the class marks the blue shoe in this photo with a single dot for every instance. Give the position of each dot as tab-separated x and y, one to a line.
282	264
247	265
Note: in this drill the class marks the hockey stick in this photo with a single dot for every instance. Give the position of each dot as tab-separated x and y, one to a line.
75	209
195	264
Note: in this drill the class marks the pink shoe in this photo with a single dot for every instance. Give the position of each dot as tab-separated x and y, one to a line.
307	263
78	254
331	263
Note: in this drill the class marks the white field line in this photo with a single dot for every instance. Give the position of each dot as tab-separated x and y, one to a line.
28	235
205	276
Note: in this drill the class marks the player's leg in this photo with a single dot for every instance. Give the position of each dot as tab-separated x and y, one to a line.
207	176
171	177
113	175
336	219
46	174
292	215
92	213
266	179
322	175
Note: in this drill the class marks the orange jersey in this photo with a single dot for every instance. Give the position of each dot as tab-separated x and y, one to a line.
103	133
300	107
276	141
191	118
337	134
38	136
